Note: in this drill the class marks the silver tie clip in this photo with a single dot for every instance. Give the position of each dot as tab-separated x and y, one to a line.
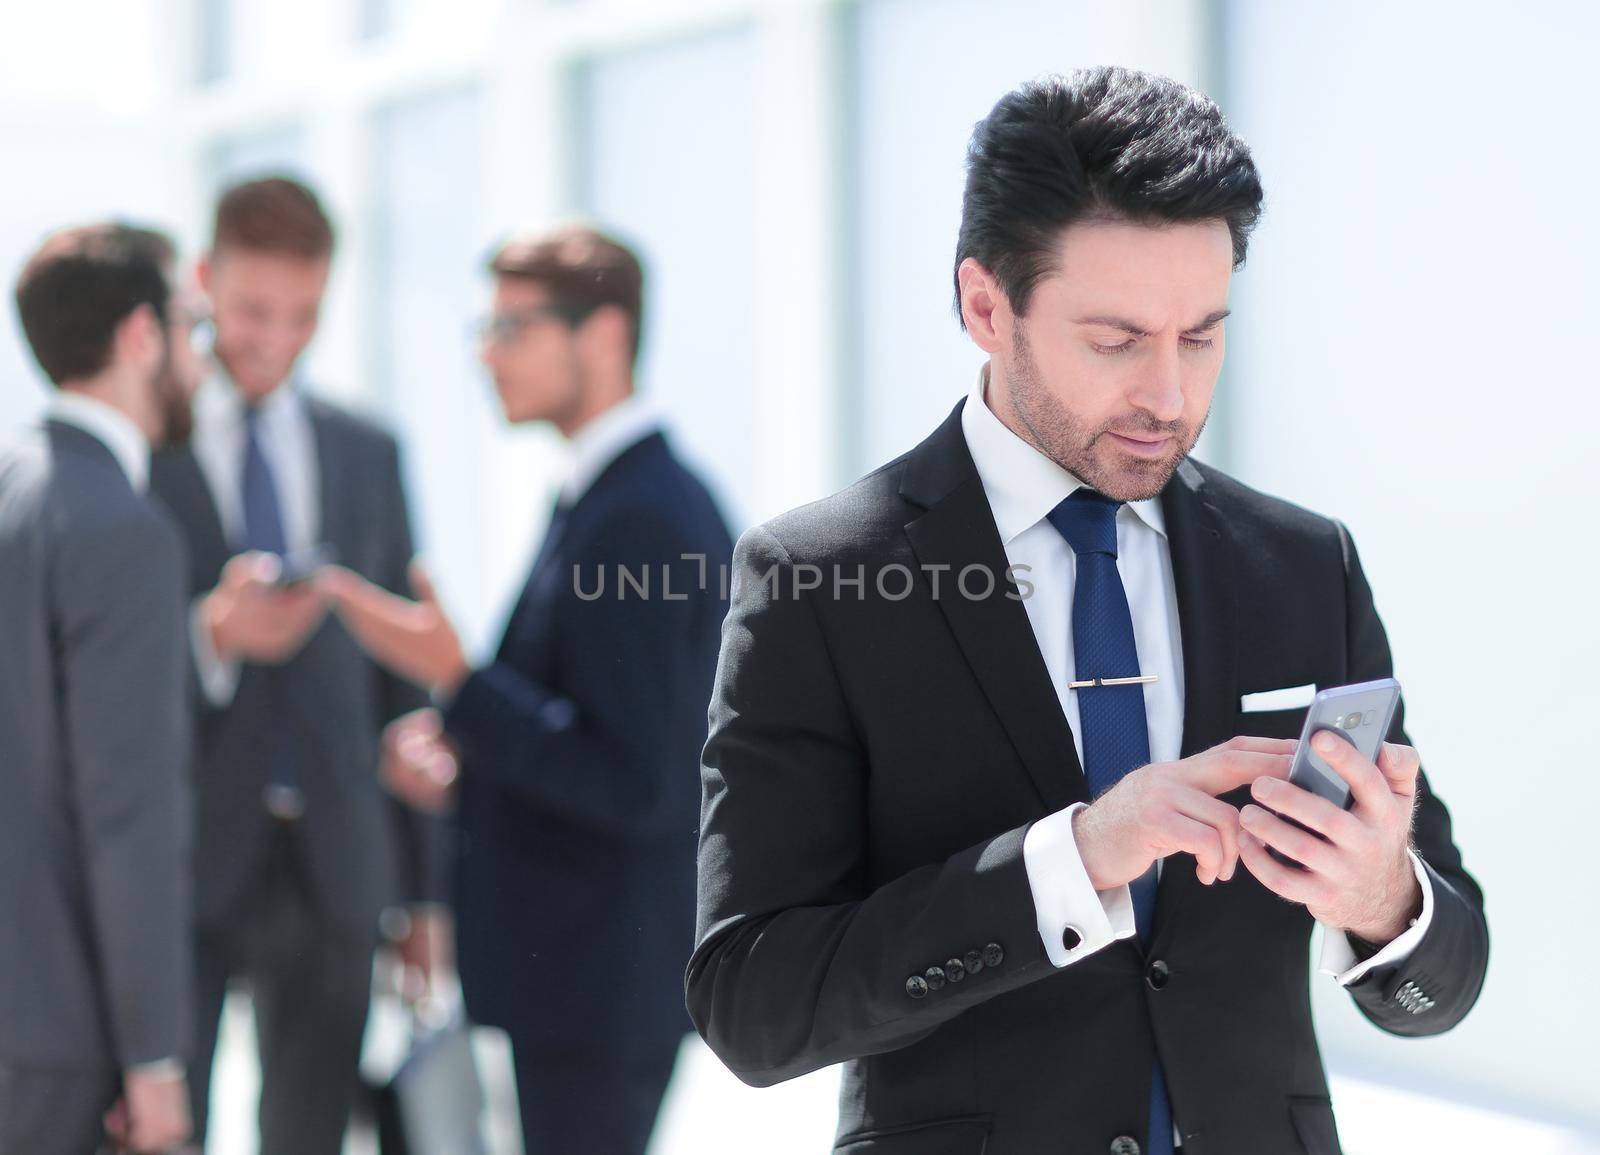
1135	681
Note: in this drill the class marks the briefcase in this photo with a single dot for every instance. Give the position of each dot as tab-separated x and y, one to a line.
433	1102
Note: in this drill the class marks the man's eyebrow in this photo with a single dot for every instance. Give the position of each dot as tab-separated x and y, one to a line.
1209	320
1113	323
1134	329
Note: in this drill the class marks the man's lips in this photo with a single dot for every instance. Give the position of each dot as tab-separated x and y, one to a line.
1141	445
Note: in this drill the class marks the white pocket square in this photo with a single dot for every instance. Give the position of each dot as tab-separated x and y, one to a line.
1288	698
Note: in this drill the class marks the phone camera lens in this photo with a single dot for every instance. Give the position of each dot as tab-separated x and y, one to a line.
1351	721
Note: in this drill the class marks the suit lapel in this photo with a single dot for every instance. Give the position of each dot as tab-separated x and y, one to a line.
178	479
1202	573
958	530
551	549
330	479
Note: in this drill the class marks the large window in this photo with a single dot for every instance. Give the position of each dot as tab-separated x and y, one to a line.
665	157
923	79
280	150
427	287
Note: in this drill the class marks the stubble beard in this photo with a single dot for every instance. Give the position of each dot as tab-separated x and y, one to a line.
1089	454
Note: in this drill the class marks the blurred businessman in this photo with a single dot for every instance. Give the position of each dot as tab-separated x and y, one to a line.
962	823
299	849
95	978
578	744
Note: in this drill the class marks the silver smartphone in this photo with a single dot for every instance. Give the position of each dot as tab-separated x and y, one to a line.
300	566
1360	714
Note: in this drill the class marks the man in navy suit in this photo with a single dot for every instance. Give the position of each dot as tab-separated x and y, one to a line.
578	746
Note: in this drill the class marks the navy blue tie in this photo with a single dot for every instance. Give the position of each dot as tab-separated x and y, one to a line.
263	531
555	529
1115	734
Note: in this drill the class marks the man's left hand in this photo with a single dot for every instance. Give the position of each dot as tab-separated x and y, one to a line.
415	639
1358	875
426	953
419	765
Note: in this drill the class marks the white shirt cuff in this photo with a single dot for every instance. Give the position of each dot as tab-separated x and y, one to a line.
1339	957
171	1068
219	677
1064	897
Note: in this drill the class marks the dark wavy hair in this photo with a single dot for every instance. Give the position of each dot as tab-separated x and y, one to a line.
1099	143
81	284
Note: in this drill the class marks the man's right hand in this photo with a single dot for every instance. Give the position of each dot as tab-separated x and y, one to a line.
1171	807
251	618
152	1115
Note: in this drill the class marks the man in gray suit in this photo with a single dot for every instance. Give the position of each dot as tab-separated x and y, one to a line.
95	969
299	849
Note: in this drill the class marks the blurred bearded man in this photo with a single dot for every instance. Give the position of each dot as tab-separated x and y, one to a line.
95	990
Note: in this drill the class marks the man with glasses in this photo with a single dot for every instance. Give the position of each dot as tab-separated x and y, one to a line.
578	745
299	849
95	979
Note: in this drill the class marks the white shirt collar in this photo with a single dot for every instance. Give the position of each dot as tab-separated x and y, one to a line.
1022	484
111	427
218	404
604	439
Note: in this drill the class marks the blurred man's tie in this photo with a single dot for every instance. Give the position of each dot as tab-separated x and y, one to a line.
263	531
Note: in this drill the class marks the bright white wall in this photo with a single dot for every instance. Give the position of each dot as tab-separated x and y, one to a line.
78	142
1412	351
667	159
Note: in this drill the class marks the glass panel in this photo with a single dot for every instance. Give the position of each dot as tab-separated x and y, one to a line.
426	286
667	161
278	151
914	117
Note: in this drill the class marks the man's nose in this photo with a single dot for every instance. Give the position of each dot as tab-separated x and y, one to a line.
1159	391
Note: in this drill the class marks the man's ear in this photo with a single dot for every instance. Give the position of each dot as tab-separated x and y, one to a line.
608	331
984	308
203	273
139	339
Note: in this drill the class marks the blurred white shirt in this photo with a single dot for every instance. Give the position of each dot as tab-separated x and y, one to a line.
111	427
288	443
606	437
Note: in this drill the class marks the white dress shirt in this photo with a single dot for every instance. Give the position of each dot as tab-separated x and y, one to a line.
593	448
289	444
111	427
1023	485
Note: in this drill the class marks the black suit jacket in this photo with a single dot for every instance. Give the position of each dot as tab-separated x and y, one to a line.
874	764
580	770
365	850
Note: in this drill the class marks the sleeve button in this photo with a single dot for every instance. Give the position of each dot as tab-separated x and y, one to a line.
1157	975
934	977
973	961
953	970
917	986
993	956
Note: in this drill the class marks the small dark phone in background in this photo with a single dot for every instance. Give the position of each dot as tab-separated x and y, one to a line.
1361	715
300	566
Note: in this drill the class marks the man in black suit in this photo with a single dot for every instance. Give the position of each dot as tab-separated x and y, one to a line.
578	745
983	742
299	849
95	826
